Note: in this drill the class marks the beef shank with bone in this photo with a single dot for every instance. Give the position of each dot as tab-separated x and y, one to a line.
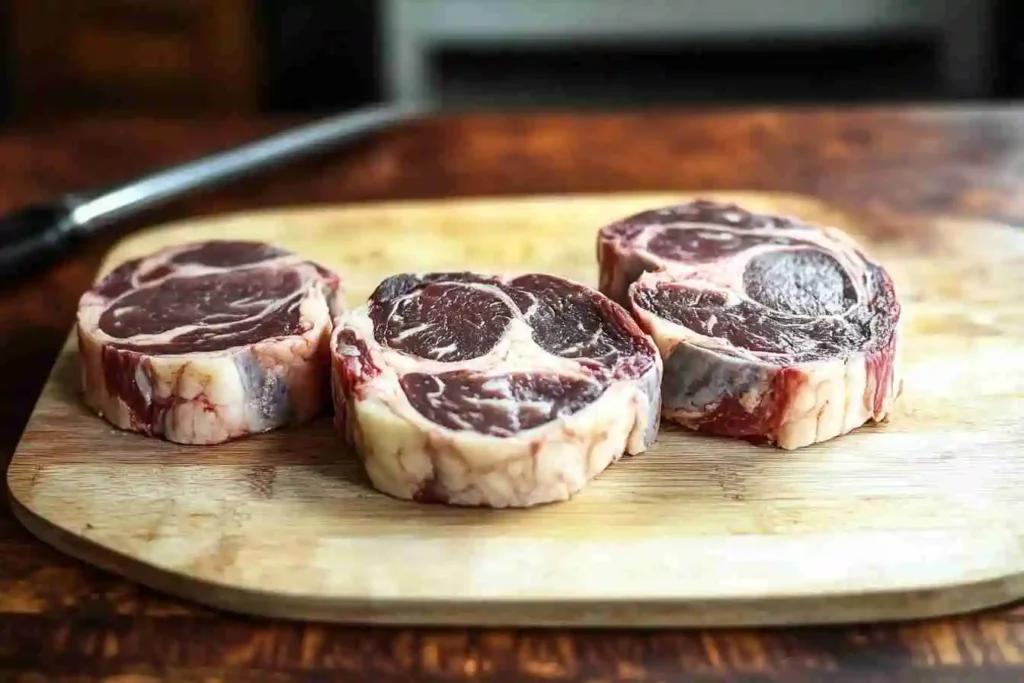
209	341
770	329
476	390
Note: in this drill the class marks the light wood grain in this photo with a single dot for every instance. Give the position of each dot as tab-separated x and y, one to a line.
917	517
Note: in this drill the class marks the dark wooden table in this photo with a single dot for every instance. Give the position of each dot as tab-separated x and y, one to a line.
61	620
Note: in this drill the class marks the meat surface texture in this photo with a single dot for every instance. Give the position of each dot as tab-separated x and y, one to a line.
770	329
475	390
210	341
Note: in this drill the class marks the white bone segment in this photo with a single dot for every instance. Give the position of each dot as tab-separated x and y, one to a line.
210	341
497	392
770	329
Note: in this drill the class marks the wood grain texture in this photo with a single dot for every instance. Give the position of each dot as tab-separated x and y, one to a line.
60	619
917	517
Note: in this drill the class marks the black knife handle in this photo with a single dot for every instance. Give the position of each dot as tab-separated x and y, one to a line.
36	236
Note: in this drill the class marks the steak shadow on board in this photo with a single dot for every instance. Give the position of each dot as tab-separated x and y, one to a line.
770	329
478	390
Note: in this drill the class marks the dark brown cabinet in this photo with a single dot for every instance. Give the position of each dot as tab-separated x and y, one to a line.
174	57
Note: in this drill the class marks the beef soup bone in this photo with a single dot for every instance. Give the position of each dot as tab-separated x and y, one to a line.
770	329
205	342
475	390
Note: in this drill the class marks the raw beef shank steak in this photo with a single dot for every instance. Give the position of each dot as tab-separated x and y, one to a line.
485	391
770	329
205	342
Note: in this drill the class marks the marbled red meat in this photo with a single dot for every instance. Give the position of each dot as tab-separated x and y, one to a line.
770	328
475	390
205	342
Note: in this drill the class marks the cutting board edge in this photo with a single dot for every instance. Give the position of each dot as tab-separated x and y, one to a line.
728	612
476	201
650	198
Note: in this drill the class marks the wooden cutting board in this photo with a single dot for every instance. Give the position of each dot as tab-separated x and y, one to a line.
921	516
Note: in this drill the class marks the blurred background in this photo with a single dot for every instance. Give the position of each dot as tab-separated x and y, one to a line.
192	58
